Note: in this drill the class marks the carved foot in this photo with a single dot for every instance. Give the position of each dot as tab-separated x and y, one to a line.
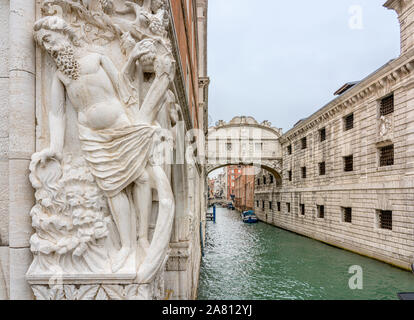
120	259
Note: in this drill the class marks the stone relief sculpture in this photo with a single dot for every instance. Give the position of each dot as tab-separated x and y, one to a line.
94	190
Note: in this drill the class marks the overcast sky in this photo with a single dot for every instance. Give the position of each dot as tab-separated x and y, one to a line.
283	60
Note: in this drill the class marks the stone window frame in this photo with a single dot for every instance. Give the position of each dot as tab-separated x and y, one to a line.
289	150
303	172
322	134
343	213
320	168
379	149
377	222
288	207
344	159
379	105
302	210
271	179
318	212
290	175
346	126
270	205
279	206
304	143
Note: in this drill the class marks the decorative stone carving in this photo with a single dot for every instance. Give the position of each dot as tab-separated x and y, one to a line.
111	111
385	127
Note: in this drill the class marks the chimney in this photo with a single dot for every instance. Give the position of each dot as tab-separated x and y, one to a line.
405	11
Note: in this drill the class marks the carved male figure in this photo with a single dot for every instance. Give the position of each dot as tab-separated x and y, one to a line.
116	146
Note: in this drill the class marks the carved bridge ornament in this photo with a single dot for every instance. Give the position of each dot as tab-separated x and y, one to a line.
107	72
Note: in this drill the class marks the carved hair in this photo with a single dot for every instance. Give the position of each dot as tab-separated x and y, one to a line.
53	23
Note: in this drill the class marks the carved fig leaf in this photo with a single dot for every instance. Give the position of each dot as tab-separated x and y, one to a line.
41	292
115	292
102	295
87	292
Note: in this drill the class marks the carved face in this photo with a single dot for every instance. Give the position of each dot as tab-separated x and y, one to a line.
53	41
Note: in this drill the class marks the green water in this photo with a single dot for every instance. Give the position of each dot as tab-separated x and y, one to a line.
261	262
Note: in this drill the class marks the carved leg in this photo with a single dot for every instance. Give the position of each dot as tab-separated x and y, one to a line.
162	234
120	210
142	194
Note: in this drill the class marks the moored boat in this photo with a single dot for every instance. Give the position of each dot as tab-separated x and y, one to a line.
249	217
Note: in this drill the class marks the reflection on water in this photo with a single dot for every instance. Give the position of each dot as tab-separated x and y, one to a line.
261	262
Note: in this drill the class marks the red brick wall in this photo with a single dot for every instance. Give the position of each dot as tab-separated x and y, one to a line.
185	26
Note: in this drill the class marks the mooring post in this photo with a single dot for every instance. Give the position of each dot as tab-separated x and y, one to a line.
214	213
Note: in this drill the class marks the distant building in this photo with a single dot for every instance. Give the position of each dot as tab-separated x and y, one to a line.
233	172
244	189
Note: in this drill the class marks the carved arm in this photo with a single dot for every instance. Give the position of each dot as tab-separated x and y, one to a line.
57	116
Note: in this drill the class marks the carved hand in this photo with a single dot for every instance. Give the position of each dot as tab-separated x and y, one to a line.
47	154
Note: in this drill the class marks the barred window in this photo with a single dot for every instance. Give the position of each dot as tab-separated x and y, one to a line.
386	156
263	204
302	209
385	219
288	206
321	212
349	163
271	179
349	122
228	146
322	168
322	134
387	105
264	180
303	172
270	205
289	149
304	143
290	175
258	182
347	215
257	203
278	206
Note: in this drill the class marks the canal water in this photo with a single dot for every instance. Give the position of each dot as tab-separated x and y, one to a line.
262	262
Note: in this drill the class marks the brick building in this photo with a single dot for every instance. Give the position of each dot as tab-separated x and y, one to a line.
244	189
232	173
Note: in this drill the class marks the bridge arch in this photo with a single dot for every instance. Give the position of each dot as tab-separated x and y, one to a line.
244	141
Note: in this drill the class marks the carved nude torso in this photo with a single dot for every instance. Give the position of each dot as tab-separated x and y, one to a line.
93	96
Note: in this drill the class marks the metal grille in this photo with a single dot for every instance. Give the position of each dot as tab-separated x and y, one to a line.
304	143
302	209
321	212
385	219
278	206
288	206
349	163
349	122
304	172
322	134
322	169
387	156
289	149
347	215
387	105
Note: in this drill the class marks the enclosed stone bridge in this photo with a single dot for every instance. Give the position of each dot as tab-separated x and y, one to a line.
243	141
